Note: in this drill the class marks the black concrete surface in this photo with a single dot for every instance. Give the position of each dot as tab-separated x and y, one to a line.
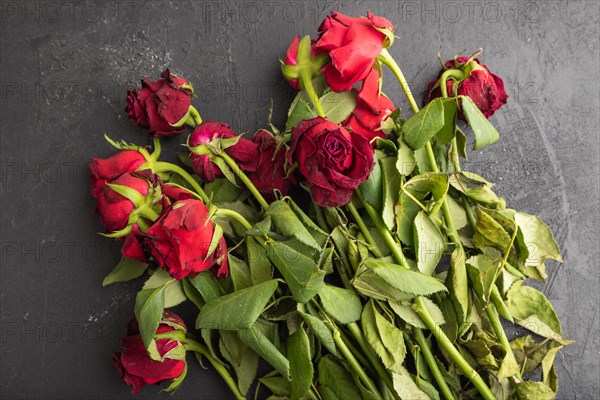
65	67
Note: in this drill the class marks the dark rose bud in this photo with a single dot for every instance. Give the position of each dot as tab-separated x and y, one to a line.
270	173
372	108
244	152
135	366
109	169
160	105
333	160
353	45
484	88
180	241
114	208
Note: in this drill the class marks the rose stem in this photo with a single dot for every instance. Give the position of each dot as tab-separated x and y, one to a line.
365	231
485	391
235	215
199	348
306	84
161	166
437	374
490	308
360	339
244	178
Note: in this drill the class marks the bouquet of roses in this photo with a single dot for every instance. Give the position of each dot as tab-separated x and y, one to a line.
389	283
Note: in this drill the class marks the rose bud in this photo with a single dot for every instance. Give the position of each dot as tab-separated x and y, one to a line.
372	108
333	160
473	79
135	366
244	152
295	61
270	173
109	169
180	241
162	106
353	45
132	247
121	202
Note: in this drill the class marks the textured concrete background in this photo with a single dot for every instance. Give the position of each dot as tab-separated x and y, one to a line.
65	66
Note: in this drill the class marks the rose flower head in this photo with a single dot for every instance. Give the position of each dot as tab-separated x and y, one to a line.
270	174
136	367
467	76
162	106
333	160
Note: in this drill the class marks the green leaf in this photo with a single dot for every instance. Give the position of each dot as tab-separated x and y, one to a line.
425	124
301	367
338	106
419	188
288	224
243	359
372	188
475	187
383	337
369	284
240	273
222	190
429	243
531	390
392	180
341	304
406	387
237	310
125	270
537	238
256	339
149	307
404	279
321	331
458	285
483	271
278	385
406	161
485	133
445	135
336	381
299	110
408	314
174	293
206	284
261	269
488	232
532	310
300	272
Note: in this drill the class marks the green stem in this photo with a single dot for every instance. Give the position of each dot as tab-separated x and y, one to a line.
385	232
373	358
225	212
432	363
369	384
148	213
386	58
305	79
452	352
161	166
365	230
195	116
157	149
492	314
199	348
244	178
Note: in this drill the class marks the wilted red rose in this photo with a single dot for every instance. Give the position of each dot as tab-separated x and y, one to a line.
135	366
353	45
180	241
132	247
333	160
109	169
244	152
113	208
159	105
270	173
484	88
372	108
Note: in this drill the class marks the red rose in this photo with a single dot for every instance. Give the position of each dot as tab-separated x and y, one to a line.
372	108
484	88
291	58
132	247
270	173
161	104
111	168
180	241
137	369
244	152
333	160
353	45
114	209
